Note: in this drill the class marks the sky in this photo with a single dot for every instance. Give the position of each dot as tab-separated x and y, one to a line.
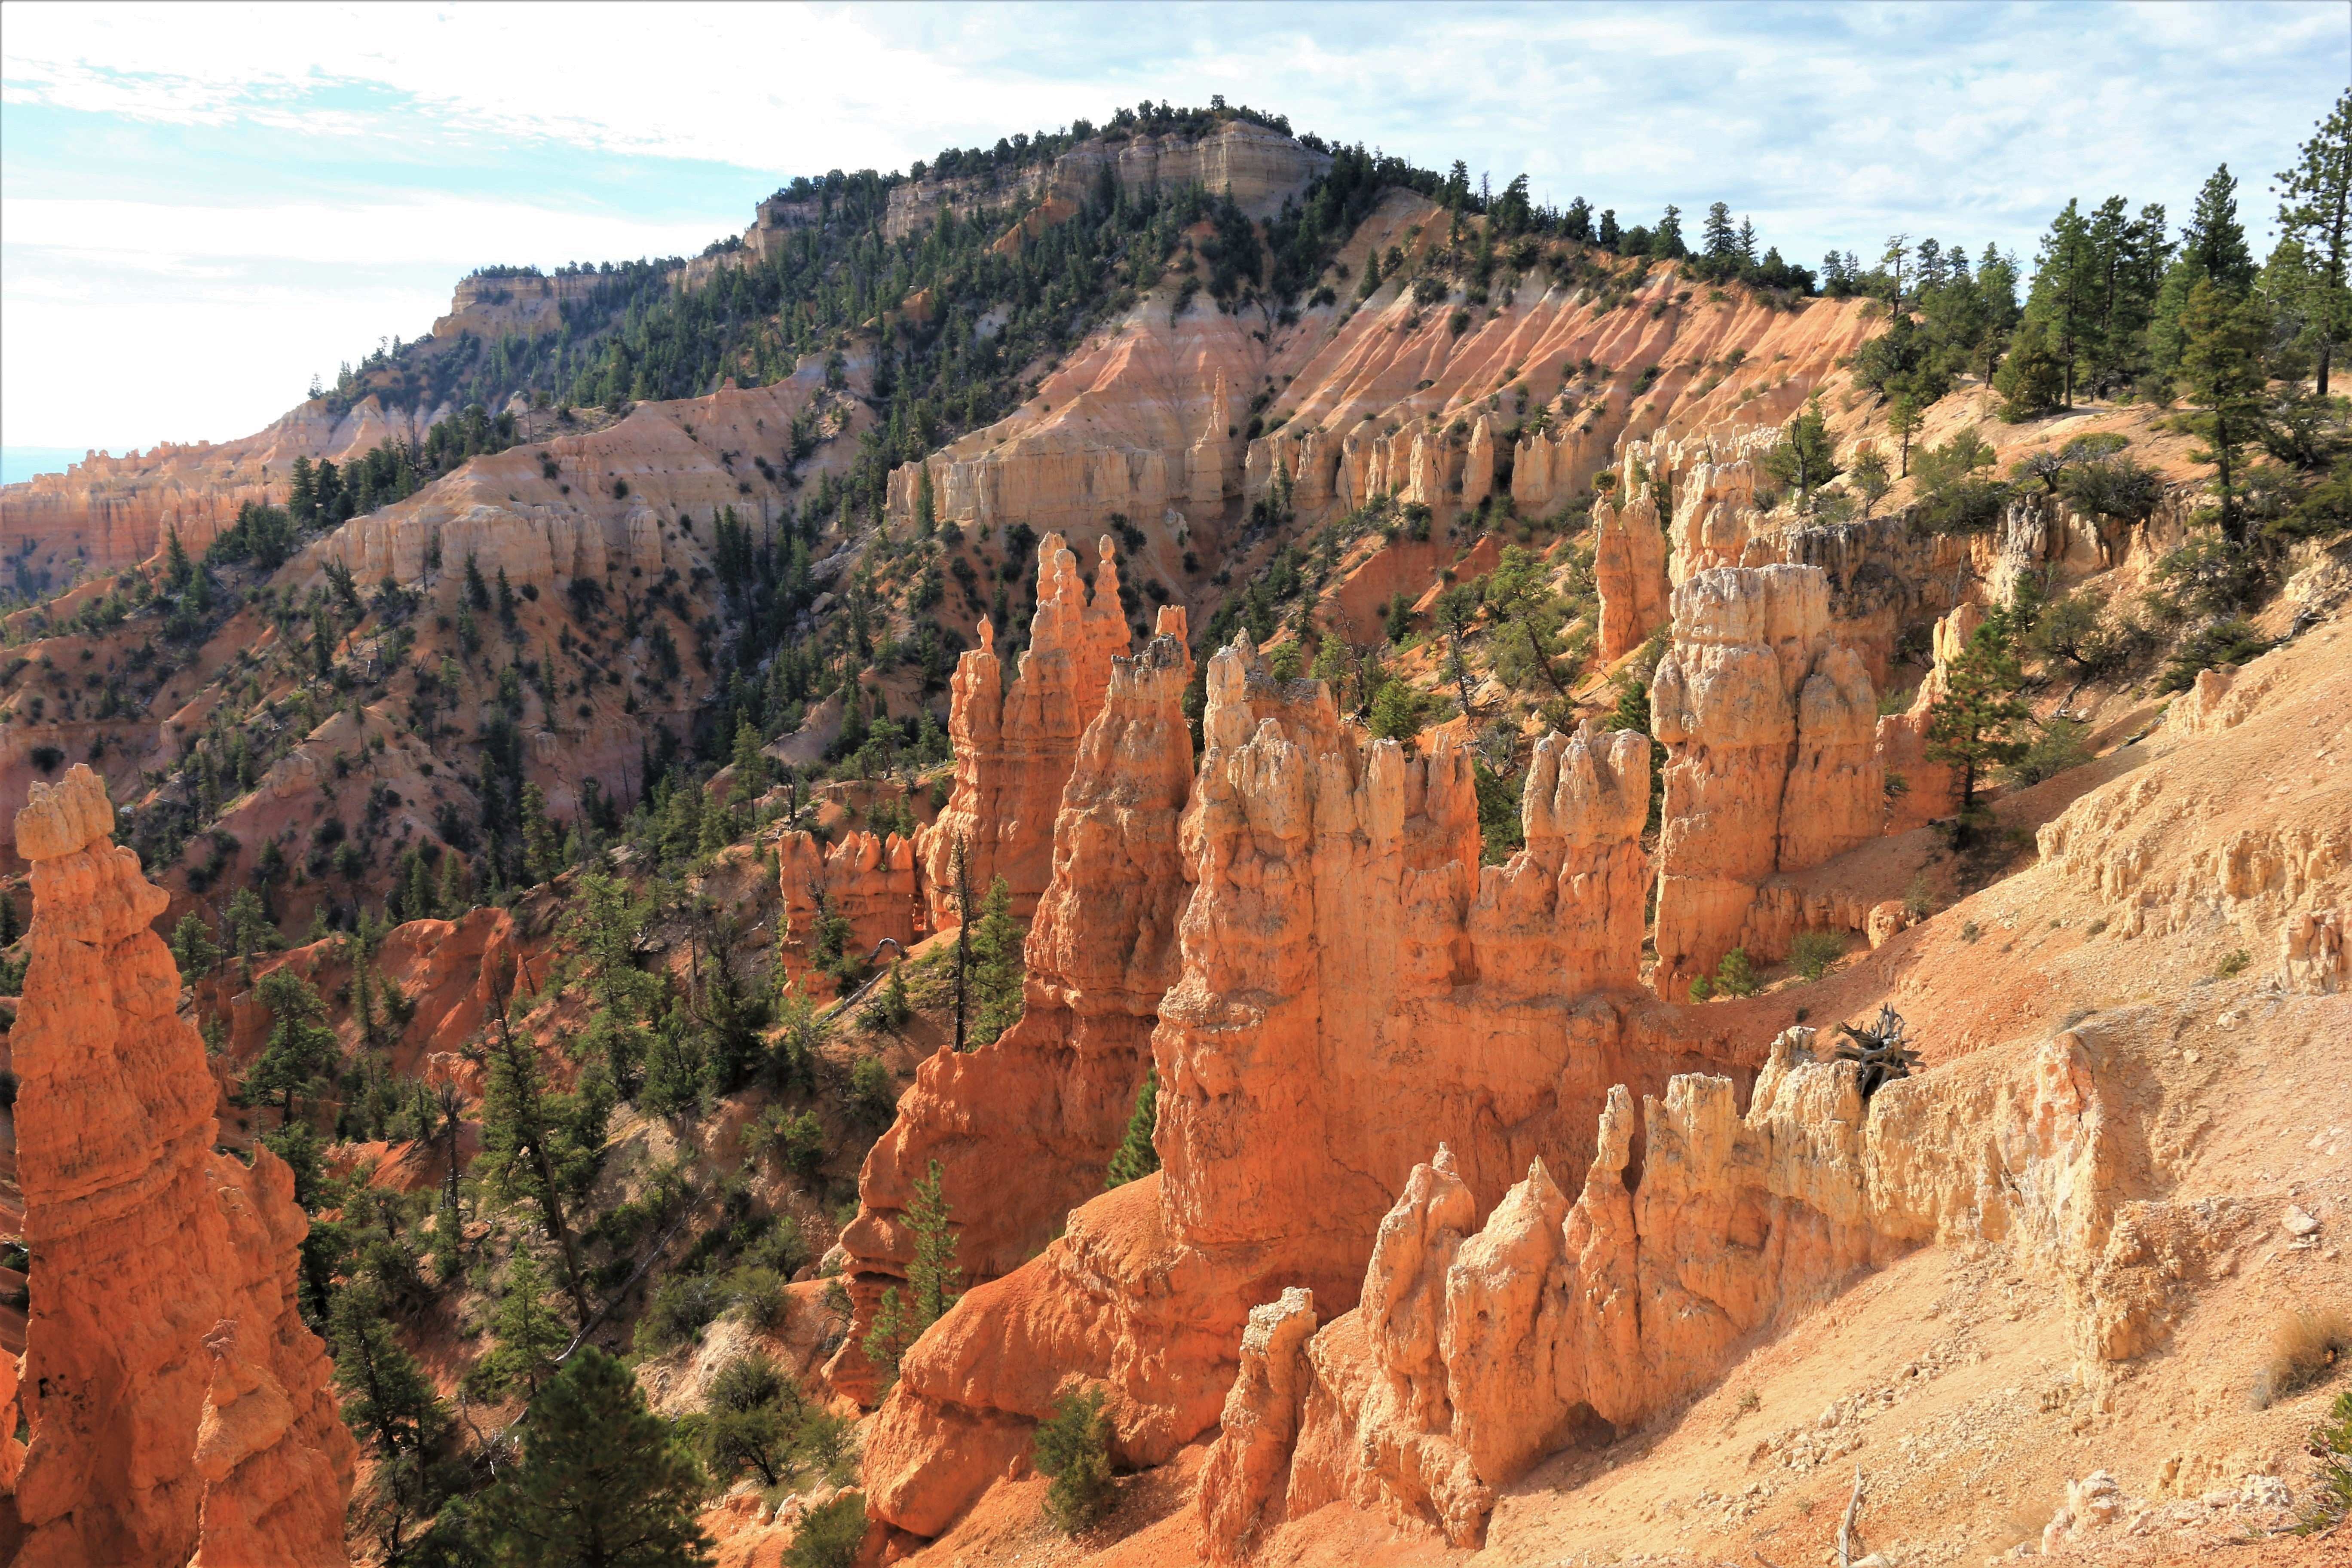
201	207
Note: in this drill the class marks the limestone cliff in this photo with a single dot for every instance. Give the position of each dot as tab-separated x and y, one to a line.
1050	1098
1768	725
179	1407
1014	744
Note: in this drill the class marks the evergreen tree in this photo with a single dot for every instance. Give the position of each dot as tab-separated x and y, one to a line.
1135	1157
604	1482
750	763
2315	211
996	965
390	1406
2065	284
1720	241
1974	725
526	1149
528	1335
2221	370
192	946
888	1337
300	1048
1074	1448
1666	244
1806	458
932	1273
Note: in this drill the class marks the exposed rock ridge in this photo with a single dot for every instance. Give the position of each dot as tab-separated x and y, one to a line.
1477	1350
1051	1097
179	1407
1629	568
1350	980
1769	725
1014	744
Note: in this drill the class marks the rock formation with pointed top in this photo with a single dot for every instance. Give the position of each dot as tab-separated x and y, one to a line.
1014	744
1050	1099
1350	979
179	1407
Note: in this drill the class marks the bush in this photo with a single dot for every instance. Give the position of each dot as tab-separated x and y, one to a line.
760	1294
1735	976
2331	1496
1815	952
1074	1448
2063	744
873	1095
680	1310
829	1536
2223	642
2306	1348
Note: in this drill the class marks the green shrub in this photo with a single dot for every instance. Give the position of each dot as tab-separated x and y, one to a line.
1074	1448
1815	952
759	1294
2223	642
829	1536
680	1310
2063	744
2330	1497
873	1094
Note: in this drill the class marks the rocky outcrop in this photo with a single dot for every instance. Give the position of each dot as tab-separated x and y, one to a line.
1931	789
1051	1097
1768	725
1350	979
1242	1484
1629	570
866	879
180	1410
1014	745
1476	1349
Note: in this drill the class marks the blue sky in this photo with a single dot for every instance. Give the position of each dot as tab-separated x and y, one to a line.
200	208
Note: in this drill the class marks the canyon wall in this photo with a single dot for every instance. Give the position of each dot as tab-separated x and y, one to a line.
1050	1099
1769	723
1350	979
179	1407
1014	744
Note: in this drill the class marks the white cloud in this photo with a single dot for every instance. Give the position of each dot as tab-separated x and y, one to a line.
1829	124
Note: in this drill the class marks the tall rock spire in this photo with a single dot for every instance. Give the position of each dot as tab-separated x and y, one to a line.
179	1407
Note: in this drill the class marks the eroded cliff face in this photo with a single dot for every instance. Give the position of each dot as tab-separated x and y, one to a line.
868	879
1629	572
1051	1097
1349	978
1769	725
1479	1349
180	1409
1014	745
107	512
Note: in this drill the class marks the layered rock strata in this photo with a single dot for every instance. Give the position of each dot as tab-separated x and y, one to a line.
1477	1349
1051	1097
1350	978
179	1407
1014	744
1769	728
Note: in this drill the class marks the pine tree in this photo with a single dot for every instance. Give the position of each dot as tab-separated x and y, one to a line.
12	927
1135	1157
927	516
1974	724
2315	211
1720	241
604	1482
2221	367
996	965
528	1335
1805	459
387	1401
887	1338
933	1272
749	761
301	1048
523	1144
